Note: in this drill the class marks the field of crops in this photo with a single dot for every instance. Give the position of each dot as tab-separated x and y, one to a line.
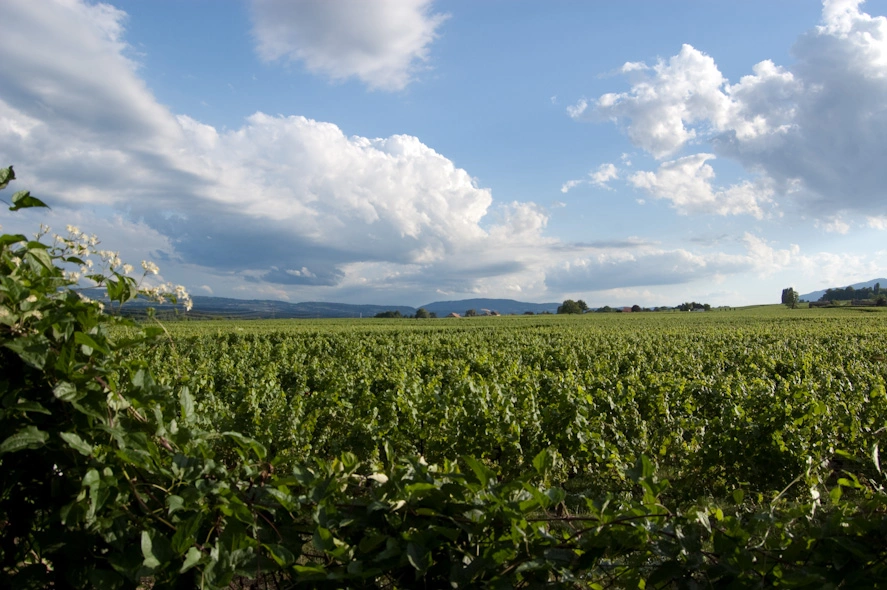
750	398
732	448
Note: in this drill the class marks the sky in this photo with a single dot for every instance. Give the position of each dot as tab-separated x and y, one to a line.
409	151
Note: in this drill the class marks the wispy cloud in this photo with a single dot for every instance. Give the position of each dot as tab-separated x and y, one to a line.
600	177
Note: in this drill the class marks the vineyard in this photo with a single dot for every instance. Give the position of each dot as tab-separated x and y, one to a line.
718	400
734	408
731	448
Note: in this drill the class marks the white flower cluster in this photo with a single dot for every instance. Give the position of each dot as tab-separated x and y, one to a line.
166	291
150	267
86	299
27	308
169	292
83	246
112	259
76	242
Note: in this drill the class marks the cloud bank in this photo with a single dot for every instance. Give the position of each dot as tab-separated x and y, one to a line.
812	132
281	200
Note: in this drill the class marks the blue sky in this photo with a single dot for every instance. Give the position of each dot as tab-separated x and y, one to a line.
407	151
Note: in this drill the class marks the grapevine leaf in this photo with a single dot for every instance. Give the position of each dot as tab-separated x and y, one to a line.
192	558
30	407
543	462
642	470
37	258
9	239
371	541
89	344
247	443
174	503
419	556
6	175
186	533
280	554
26	438
154	549
835	494
66	392
150	561
484	474
323	539
187	404
24	200
75	442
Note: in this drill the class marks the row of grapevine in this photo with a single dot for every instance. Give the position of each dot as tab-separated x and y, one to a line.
752	402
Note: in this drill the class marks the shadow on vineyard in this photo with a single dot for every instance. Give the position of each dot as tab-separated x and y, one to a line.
677	452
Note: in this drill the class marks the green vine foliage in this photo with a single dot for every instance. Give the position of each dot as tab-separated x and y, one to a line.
109	480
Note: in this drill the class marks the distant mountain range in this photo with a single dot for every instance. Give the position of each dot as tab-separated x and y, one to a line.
815	295
267	309
223	307
503	306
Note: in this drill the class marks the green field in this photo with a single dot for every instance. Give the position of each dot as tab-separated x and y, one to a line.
732	448
722	399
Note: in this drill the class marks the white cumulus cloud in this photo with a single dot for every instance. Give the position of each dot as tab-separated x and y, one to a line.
829	268
687	184
815	130
279	203
604	174
666	100
381	42
877	222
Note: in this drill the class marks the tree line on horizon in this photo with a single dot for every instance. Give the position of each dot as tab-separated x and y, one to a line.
873	294
569	306
850	294
578	307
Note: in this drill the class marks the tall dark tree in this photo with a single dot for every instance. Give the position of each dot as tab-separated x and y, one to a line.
389	314
570	306
790	297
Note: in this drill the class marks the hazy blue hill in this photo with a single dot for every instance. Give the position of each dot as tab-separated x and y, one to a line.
225	307
221	306
815	295
503	306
